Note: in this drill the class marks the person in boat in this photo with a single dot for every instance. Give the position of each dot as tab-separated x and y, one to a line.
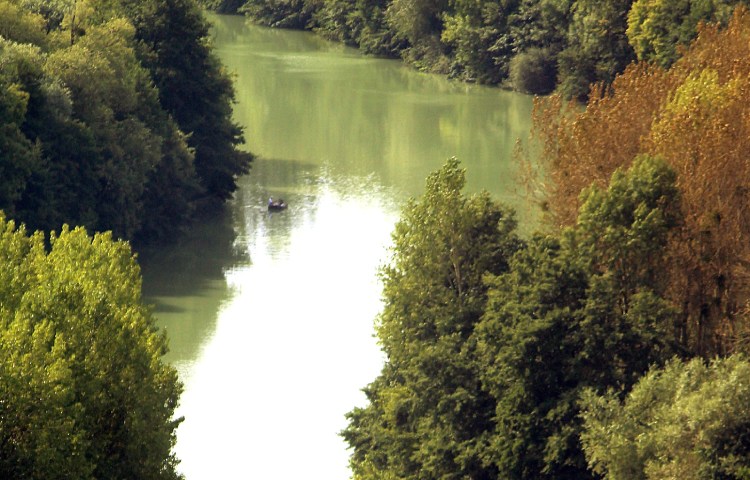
276	204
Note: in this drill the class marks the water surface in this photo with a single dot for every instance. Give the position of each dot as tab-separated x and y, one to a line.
270	316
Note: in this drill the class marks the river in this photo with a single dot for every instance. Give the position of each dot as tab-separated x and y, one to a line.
270	316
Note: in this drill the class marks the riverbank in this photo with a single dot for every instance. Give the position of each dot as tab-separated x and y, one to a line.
530	47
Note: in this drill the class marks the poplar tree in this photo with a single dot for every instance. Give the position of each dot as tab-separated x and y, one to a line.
692	116
427	416
85	393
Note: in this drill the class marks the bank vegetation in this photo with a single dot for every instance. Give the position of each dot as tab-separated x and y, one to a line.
613	344
533	46
115	116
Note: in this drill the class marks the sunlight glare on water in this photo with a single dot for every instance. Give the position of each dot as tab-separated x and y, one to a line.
293	345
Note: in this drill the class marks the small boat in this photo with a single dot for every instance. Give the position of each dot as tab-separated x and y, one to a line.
276	206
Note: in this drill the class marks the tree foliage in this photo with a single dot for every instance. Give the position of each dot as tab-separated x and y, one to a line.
571	44
428	416
490	341
688	420
193	86
596	49
692	116
85	393
541	374
658	28
96	131
582	310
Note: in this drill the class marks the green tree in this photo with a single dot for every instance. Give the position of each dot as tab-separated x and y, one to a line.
540	24
96	129
108	87
658	28
19	157
360	22
85	392
52	11
688	420
538	31
428	416
533	71
281	13
478	35
193	87
223	6
21	26
420	23
597	48
582	310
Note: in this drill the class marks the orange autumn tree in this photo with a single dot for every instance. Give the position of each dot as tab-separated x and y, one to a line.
696	116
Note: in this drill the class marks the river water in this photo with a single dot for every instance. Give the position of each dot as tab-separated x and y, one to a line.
270	316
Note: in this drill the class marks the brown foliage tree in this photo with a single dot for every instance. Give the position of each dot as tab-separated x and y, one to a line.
696	116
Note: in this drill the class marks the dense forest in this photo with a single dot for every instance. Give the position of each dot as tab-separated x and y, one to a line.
613	344
534	46
114	115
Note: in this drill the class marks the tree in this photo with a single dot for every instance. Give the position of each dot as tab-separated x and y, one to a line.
20	26
85	392
281	13
597	48
427	416
419	23
108	88
582	310
477	32
688	420
361	23
690	116
534	71
19	157
657	29
193	87
89	138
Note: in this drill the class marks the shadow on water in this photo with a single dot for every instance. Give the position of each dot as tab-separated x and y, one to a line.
185	282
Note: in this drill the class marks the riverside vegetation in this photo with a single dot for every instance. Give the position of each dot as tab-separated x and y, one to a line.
114	116
613	344
534	46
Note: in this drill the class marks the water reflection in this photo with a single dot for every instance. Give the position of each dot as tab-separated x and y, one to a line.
186	285
319	102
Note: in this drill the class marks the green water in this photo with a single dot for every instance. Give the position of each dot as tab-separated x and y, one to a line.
270	316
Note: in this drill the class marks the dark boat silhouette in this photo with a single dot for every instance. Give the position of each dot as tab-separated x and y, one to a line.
277	206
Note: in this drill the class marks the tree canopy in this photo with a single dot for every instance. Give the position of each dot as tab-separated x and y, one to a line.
491	341
688	420
691	116
611	345
85	392
96	129
428	416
